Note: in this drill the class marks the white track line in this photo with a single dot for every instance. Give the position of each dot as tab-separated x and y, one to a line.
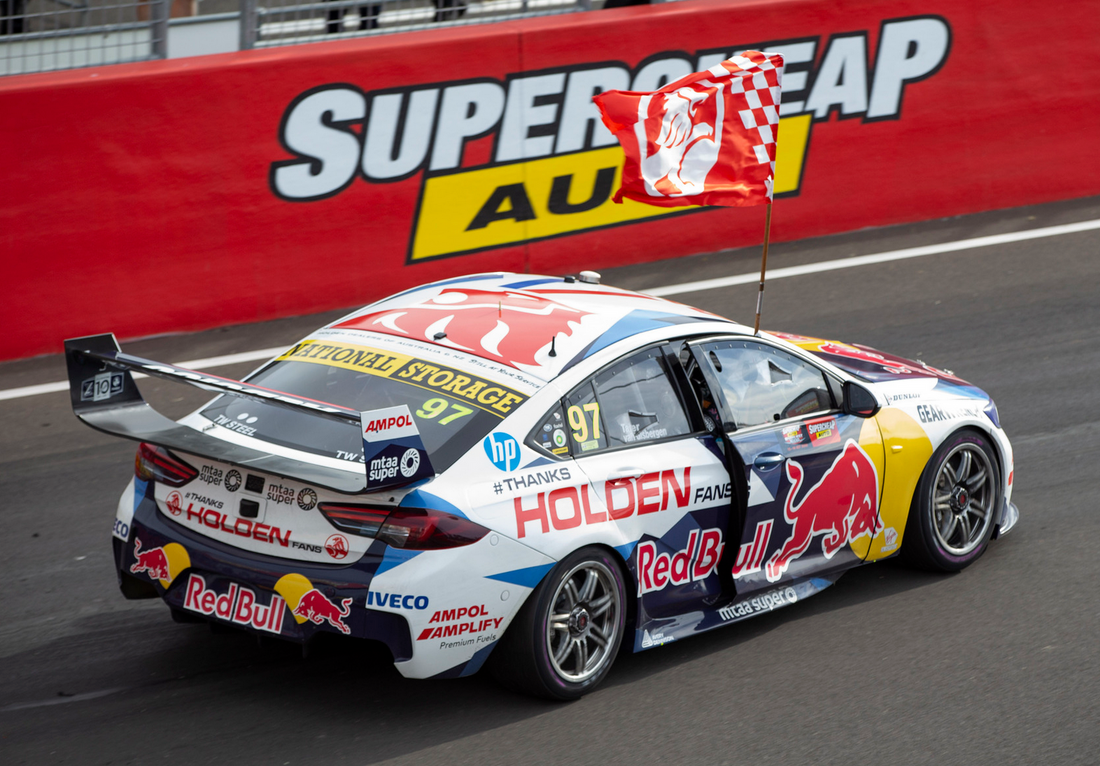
865	260
194	364
686	287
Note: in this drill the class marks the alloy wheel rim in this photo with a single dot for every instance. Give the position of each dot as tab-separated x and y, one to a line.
584	622
962	499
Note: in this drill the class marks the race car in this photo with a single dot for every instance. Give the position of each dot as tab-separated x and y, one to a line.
534	471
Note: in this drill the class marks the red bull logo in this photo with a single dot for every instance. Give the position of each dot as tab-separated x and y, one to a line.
152	562
843	507
318	609
239	605
506	325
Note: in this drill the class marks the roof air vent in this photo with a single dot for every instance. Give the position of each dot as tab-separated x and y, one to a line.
589	277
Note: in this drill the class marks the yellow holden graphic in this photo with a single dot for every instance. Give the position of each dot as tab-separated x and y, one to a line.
870	439
908	449
507	204
292	587
178	560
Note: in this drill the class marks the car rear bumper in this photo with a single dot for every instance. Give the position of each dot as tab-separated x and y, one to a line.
203	578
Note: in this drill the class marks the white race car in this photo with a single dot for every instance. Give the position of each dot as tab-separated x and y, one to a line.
532	470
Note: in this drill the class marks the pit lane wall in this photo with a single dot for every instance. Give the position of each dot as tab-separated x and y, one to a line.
180	195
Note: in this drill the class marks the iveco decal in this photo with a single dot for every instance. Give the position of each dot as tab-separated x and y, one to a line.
553	165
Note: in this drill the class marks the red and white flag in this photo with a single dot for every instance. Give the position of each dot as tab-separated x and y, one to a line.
706	139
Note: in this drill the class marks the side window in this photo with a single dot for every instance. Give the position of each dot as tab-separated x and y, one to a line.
632	401
762	384
549	436
583	420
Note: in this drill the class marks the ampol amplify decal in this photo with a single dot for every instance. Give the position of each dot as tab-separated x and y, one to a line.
462	622
553	165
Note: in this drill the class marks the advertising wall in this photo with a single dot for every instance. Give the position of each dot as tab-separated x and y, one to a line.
180	195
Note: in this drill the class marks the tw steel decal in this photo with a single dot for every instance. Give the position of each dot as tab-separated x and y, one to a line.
503	325
239	605
553	165
696	561
843	507
569	507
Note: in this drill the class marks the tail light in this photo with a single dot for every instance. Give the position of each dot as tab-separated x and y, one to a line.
153	463
362	520
409	528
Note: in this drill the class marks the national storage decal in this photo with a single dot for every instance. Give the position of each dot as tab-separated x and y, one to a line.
553	166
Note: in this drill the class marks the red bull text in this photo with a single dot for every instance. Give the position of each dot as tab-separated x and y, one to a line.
694	562
239	605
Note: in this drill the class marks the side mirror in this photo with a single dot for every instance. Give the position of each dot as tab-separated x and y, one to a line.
859	401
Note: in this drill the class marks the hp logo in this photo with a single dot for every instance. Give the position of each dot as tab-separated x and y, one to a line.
503	450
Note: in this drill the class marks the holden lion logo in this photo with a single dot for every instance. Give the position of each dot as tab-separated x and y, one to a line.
337	546
508	326
689	139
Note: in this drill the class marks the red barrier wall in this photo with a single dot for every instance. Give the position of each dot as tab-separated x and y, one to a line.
145	198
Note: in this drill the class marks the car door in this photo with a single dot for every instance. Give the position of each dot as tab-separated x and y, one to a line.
658	476
813	473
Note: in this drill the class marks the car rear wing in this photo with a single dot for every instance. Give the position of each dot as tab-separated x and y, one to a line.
105	396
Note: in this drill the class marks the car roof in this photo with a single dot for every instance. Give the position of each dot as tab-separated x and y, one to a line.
541	325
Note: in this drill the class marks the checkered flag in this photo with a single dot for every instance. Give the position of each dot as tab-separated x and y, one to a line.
706	139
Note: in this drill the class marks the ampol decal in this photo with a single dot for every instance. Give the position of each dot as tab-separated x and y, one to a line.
554	165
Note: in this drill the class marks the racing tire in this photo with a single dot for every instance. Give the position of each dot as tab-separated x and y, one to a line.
563	641
955	505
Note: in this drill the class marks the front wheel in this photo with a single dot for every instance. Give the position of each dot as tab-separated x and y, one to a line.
951	519
564	639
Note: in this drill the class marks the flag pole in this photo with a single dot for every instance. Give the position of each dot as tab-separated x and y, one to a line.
763	268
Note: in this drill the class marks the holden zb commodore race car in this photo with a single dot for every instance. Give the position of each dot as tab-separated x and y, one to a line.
533	471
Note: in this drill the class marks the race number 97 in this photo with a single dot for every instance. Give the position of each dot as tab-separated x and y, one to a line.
579	418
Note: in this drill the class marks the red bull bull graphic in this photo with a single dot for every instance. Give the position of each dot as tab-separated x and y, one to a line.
160	564
316	607
239	605
505	326
843	507
152	562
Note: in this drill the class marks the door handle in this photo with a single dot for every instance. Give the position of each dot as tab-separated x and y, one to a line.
627	472
768	461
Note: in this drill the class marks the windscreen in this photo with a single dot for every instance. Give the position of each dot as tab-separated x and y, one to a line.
452	409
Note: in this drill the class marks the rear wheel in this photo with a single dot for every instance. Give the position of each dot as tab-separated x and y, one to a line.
951	519
564	639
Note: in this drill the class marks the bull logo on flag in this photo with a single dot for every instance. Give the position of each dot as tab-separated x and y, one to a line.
686	148
706	139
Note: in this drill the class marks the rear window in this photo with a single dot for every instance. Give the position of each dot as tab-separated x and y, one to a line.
453	410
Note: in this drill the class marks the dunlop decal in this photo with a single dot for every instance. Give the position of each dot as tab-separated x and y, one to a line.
481	393
554	167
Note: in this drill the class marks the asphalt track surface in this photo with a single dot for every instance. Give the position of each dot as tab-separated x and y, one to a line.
998	664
